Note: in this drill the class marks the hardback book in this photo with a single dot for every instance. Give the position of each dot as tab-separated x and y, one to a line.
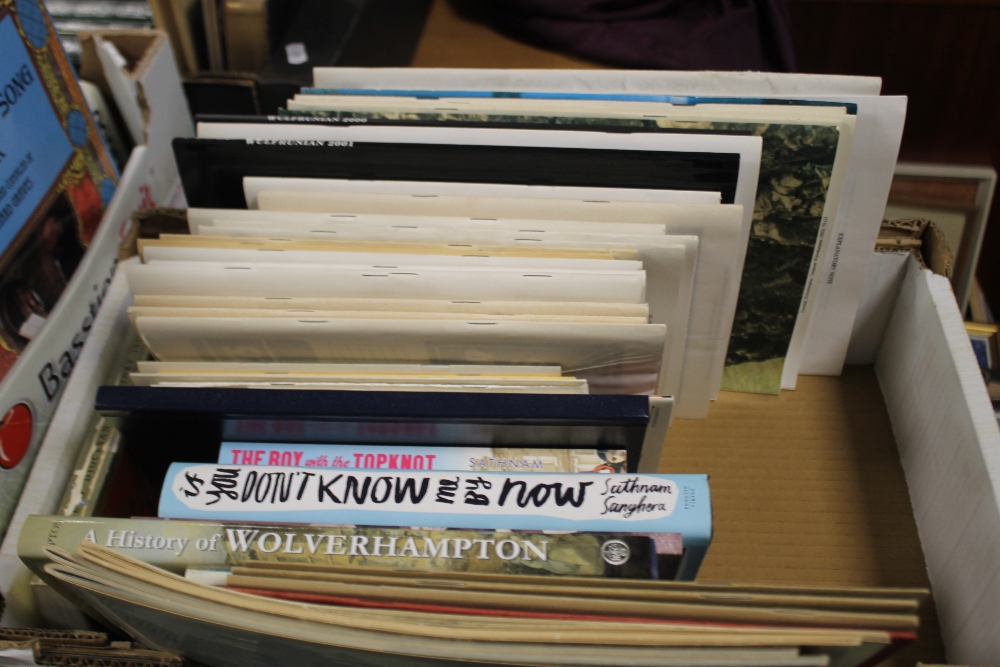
178	546
362	457
97	455
636	424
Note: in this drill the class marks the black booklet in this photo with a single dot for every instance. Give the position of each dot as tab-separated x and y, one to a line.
212	170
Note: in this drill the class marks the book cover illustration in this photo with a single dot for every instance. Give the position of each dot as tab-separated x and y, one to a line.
56	176
795	170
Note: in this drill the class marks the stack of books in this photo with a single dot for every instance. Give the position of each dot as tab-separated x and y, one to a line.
402	390
277	615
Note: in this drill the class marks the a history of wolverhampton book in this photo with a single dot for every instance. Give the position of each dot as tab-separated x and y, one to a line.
181	545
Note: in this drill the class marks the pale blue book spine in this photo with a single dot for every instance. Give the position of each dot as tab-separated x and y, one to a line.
635	503
676	100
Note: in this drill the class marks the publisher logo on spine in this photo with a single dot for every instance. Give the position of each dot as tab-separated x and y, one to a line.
615	552
15	435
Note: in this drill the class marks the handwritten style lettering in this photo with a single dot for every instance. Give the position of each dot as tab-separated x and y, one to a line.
538	494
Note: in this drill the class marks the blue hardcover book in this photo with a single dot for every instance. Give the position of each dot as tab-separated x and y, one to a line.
517	501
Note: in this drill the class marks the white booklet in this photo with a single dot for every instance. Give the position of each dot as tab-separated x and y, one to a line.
478	307
153	253
254	185
299	313
728	84
316	280
612	358
251	217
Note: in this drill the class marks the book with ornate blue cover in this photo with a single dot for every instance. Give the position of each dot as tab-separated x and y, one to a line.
56	176
57	180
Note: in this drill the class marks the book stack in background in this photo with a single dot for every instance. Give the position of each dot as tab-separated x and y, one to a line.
71	17
246	56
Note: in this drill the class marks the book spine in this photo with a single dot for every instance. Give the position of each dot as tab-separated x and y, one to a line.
92	470
97	456
495	501
180	545
459	459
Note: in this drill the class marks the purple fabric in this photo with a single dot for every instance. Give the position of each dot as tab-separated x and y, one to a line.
663	34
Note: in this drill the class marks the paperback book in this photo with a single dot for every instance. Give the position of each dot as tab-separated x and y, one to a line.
475	459
517	501
376	623
178	546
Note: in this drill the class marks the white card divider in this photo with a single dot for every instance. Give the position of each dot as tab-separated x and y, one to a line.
949	446
885	278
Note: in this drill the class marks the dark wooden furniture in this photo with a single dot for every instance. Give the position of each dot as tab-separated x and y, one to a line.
944	55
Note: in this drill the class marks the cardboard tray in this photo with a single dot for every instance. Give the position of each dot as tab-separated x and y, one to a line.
809	486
